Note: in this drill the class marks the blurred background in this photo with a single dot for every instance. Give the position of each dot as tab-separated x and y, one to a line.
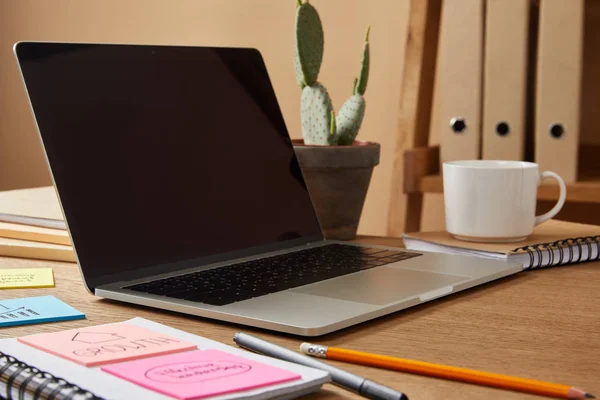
269	26
265	24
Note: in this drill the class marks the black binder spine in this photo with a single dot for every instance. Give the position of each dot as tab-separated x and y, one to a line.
42	384
563	246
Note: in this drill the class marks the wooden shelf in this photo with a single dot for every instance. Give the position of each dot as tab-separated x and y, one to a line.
422	175
586	190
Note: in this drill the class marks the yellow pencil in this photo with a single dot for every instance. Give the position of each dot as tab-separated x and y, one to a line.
446	372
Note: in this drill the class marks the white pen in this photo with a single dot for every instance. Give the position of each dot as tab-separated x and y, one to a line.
346	380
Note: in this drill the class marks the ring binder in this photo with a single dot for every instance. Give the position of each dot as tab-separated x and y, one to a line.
562	246
558	86
505	67
25	378
460	58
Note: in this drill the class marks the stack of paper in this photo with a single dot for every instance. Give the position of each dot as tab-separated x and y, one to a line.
32	225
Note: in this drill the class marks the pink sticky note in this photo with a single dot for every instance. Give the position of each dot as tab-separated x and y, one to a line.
103	344
199	374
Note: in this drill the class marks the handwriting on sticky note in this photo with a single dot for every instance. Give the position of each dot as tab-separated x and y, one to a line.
16	278
196	372
97	345
199	374
29	310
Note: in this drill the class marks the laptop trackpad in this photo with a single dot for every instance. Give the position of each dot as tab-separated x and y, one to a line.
380	285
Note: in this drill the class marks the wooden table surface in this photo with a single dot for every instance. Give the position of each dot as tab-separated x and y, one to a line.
538	324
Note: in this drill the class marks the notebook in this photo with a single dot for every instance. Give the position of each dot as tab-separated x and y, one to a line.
36	250
552	243
31	225
71	380
34	233
36	207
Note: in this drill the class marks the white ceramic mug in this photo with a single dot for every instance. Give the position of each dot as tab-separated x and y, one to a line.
494	201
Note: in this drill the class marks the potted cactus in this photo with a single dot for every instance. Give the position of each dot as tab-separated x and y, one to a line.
337	167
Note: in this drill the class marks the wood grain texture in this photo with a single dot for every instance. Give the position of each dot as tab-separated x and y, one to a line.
414	209
539	324
420	162
415	106
587	190
590	90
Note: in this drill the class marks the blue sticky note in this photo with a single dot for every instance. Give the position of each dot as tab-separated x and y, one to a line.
33	310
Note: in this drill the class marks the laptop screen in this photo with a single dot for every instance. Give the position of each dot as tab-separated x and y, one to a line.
163	155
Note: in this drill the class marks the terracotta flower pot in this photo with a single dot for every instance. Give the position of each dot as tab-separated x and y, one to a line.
338	178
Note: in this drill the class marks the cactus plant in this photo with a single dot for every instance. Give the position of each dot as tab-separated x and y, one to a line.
320	125
317	115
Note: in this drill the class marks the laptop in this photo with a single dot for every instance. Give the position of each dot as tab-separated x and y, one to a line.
181	191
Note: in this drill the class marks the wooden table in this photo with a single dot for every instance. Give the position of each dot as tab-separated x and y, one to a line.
538	324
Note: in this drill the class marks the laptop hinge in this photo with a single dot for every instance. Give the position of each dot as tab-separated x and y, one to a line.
208	260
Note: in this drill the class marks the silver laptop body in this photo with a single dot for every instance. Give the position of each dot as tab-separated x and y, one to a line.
333	304
175	171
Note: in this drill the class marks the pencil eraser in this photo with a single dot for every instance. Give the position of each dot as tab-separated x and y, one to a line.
304	347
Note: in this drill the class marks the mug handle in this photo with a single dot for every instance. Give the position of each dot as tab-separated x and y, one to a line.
561	198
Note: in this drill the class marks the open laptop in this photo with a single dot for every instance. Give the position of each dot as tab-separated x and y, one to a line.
181	191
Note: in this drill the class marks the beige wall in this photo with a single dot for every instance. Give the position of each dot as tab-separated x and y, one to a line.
265	24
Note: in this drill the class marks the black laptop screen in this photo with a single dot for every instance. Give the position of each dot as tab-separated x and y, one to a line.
162	155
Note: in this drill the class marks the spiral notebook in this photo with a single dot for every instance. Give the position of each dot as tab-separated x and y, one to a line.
29	373
552	243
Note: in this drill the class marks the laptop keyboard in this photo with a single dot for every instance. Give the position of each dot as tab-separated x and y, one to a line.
243	281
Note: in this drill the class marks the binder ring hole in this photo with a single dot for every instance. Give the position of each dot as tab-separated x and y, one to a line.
502	129
557	130
458	125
